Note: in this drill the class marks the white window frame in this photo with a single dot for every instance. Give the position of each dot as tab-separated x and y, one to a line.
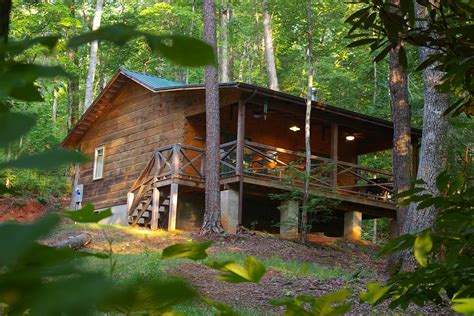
95	176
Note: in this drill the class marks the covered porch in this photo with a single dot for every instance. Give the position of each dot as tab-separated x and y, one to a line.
262	152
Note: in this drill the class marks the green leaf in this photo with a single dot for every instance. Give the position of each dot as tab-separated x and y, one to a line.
397	244
118	34
190	250
88	214
358	14
18	47
375	291
324	305
422	247
153	296
250	271
408	193
46	160
361	42
13	126
183	50
442	181
222	309
464	305
383	53
402	58
17	239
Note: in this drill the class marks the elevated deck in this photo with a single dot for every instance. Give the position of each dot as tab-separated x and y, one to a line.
263	169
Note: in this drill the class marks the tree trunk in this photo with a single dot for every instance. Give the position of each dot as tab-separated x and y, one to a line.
401	116
191	28
55	101
231	49
212	214
269	53
258	40
5	8
307	124
93	57
433	153
224	50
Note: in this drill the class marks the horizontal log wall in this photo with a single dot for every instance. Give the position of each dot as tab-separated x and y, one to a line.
138	122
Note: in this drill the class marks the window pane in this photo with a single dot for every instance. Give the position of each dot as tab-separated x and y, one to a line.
99	163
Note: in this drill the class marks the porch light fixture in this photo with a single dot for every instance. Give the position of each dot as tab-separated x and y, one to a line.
350	138
294	128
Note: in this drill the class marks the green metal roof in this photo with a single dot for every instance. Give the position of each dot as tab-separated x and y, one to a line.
150	81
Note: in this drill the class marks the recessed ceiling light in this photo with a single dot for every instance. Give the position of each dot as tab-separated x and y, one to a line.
350	138
294	128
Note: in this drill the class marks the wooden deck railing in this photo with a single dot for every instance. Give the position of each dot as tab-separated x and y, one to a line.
265	163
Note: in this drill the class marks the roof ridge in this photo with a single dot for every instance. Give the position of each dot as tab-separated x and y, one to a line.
150	75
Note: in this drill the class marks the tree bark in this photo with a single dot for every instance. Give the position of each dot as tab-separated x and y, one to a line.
401	117
269	53
94	49
55	101
258	40
433	153
212	214
224	50
307	124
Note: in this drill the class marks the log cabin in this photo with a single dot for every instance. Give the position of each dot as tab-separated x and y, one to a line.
145	137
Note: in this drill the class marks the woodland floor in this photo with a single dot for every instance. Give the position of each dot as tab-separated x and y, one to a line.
326	265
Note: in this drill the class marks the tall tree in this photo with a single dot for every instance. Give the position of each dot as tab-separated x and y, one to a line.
212	214
269	53
401	117
433	152
94	49
224	49
307	124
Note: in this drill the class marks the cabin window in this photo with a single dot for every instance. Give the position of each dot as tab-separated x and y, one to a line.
99	162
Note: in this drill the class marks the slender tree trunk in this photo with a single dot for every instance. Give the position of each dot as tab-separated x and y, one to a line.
258	40
307	124
191	28
401	116
212	215
433	153
231	48
5	9
94	49
55	101
374	231
269	53
224	49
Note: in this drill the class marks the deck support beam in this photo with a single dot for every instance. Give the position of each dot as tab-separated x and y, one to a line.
173	207
230	210
352	225
155	213
334	153
289	219
239	168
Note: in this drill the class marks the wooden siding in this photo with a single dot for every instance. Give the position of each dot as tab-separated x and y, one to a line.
138	122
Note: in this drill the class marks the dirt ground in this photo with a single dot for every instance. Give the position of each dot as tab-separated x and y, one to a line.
21	210
325	251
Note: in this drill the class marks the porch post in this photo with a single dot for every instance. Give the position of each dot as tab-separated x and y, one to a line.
155	213
393	228
334	152
239	168
289	219
353	225
230	210
173	207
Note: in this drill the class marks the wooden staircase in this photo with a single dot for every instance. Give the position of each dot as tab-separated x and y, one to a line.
142	212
